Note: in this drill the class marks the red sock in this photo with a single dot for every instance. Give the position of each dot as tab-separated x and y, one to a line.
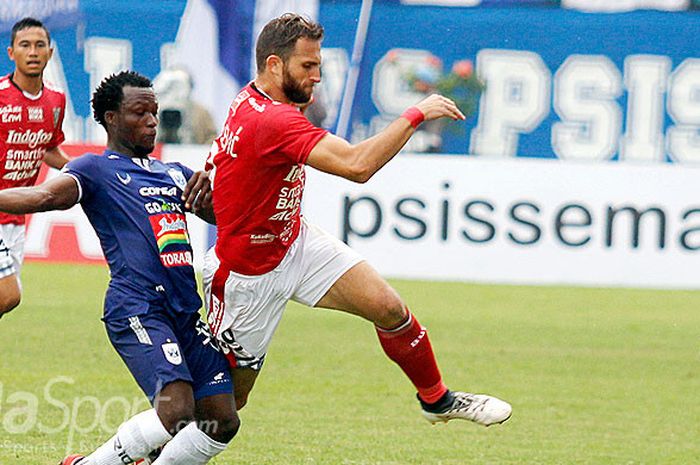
408	345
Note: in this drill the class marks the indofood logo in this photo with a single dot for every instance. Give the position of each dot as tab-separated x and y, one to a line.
166	226
28	137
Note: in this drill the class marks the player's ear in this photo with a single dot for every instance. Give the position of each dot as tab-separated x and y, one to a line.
275	65
110	115
10	53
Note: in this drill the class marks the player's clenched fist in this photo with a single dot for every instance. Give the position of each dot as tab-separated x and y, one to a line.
197	192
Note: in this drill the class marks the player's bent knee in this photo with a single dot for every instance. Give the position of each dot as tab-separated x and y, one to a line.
217	417
220	423
225	428
174	419
390	312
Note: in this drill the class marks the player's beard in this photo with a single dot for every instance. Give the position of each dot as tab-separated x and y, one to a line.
293	90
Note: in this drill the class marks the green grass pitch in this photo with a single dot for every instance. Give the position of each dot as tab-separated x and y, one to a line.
595	376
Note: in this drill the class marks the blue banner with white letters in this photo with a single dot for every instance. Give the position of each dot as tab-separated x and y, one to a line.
92	39
212	40
558	83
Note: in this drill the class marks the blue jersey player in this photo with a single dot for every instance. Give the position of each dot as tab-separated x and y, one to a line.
137	206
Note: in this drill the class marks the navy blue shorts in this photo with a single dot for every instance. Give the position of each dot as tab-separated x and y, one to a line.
159	348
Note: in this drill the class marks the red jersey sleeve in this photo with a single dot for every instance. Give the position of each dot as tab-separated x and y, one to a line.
287	132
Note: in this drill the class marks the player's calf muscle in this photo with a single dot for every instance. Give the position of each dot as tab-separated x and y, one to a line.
8	303
10	295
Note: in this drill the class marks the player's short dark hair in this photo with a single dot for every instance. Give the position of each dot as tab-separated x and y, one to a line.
109	94
280	35
26	23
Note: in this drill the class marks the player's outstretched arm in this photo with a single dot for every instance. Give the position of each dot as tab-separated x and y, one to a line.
59	193
359	162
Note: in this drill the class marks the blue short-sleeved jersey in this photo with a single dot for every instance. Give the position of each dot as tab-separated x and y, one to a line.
136	210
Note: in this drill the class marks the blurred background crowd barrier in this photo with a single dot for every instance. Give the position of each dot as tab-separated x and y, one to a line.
578	163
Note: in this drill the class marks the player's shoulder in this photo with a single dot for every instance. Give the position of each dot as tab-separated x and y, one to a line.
279	115
160	164
250	104
258	103
54	91
176	165
84	161
279	108
5	83
89	156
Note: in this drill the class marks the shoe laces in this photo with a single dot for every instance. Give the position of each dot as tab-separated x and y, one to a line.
465	402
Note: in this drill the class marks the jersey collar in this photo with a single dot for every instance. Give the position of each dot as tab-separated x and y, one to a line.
260	91
144	163
24	92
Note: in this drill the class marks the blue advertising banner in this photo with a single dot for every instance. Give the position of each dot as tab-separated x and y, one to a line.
93	39
559	83
55	14
212	40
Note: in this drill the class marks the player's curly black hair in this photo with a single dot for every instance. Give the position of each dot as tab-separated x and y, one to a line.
280	35
109	94
26	23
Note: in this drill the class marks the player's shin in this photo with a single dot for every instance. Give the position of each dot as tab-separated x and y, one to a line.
134	440
408	345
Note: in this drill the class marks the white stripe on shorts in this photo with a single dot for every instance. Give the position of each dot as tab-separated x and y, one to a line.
140	331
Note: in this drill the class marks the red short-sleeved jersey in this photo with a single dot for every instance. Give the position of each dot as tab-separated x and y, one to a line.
258	180
28	128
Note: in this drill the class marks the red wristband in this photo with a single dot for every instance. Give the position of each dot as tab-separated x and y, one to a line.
414	116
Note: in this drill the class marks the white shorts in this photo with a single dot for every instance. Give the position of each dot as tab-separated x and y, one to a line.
11	249
244	311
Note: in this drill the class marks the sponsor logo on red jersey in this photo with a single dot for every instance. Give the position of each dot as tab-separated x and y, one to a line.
27	130
28	137
35	114
10	113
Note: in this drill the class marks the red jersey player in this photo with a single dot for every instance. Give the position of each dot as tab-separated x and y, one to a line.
267	254
31	115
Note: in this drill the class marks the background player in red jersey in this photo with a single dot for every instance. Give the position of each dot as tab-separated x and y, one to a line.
31	116
267	254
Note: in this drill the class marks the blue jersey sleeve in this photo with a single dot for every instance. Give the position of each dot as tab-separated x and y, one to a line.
85	171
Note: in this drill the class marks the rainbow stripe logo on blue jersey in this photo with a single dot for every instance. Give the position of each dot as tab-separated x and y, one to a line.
170	231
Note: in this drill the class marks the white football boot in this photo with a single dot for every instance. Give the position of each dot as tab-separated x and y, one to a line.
479	408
